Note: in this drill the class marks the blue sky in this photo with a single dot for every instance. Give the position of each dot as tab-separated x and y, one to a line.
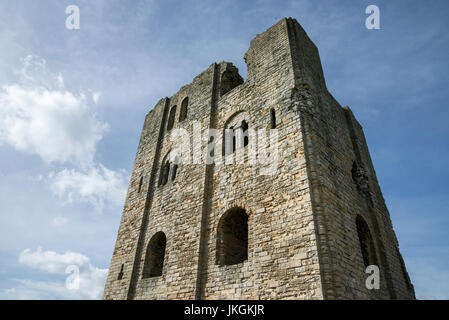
72	104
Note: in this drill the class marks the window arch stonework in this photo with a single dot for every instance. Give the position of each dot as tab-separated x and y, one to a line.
184	108
236	133
169	168
366	242
171	118
155	256
232	237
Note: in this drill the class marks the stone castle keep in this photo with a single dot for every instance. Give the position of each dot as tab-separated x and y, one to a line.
226	231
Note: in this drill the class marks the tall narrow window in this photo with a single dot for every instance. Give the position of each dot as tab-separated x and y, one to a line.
236	133
174	171
366	242
183	112
120	274
169	169
234	140
155	254
232	237
229	141
245	133
171	118
165	171
273	118
140	184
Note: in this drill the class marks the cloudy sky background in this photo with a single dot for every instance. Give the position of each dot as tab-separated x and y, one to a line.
72	104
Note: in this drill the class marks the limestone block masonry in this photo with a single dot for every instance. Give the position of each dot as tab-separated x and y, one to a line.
225	231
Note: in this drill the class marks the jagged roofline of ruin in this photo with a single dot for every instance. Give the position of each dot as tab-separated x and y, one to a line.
229	64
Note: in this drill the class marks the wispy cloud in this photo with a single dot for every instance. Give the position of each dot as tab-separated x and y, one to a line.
91	279
98	186
39	116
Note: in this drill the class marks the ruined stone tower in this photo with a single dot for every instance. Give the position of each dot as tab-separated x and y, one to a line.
213	230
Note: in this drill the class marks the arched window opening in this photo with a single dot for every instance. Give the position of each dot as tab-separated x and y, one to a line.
165	171
171	118
232	237
232	134
169	169
154	258
366	242
120	274
229	141
273	118
140	184
174	170
236	133
244	129
183	112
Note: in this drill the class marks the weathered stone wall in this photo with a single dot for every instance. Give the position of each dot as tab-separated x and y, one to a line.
282	254
335	140
128	233
302	236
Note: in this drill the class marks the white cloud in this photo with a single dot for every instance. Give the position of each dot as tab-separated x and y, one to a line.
60	80
98	185
59	221
91	279
38	116
51	261
95	96
36	290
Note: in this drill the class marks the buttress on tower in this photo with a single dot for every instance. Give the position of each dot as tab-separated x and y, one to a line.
214	230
